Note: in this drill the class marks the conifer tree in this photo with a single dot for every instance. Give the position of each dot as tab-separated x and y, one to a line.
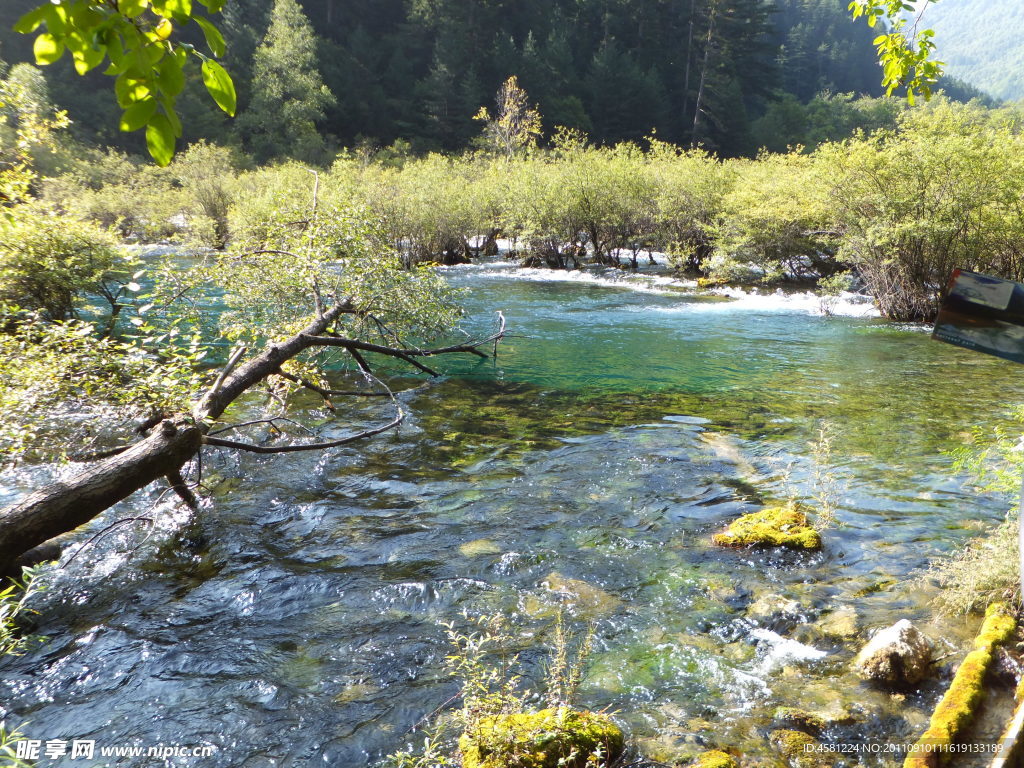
288	93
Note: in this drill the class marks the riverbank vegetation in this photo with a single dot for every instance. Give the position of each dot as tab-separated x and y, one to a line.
892	211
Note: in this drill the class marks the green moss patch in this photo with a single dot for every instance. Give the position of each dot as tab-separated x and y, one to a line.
715	759
958	705
551	738
784	526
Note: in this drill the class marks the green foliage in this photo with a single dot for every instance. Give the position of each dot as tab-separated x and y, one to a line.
419	71
788	123
980	42
148	65
934	187
14	600
940	193
27	124
987	569
47	262
689	192
206	174
8	747
905	54
776	221
64	389
515	125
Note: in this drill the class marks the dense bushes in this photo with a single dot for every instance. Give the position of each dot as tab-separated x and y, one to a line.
900	207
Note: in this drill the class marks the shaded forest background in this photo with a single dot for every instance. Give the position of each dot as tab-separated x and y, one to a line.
730	75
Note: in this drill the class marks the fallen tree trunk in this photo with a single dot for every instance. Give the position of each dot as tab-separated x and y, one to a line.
67	504
26	526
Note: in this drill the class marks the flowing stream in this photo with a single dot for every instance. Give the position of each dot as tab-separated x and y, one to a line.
297	619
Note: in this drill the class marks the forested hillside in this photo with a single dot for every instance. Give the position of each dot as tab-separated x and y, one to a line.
418	70
981	44
729	75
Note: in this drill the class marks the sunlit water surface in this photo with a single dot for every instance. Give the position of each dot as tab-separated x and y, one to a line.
296	620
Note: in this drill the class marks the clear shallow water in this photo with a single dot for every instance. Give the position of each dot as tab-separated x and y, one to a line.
296	620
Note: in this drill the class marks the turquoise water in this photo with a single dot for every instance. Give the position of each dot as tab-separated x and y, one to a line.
296	619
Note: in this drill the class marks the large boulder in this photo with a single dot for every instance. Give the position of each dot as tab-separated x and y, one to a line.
896	656
551	738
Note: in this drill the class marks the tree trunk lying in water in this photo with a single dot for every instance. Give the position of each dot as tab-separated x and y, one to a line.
27	526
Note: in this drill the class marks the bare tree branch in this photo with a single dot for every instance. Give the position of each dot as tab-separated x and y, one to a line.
324	392
220	443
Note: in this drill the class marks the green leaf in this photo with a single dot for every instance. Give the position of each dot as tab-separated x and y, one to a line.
131	8
130	90
172	116
47	49
214	38
137	115
218	83
86	57
160	139
30	21
171	78
181	8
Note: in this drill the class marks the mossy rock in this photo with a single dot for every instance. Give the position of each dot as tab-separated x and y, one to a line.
711	282
799	720
784	526
551	738
960	702
715	759
800	749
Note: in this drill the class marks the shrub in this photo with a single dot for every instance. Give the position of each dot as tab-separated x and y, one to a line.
776	221
942	192
48	261
205	173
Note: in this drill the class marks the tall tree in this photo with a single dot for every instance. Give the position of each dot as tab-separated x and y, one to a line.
288	94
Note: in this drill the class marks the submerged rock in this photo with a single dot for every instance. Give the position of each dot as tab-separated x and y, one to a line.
840	624
784	526
583	598
896	656
479	547
792	718
715	759
775	612
551	738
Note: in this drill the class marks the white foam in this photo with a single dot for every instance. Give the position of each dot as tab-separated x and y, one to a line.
846	304
732	299
776	651
603	276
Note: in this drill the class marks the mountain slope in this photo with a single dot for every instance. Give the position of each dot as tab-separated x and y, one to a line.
981	42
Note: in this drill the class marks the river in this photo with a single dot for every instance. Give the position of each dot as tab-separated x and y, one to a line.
296	620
